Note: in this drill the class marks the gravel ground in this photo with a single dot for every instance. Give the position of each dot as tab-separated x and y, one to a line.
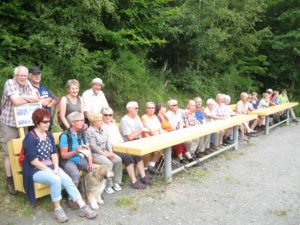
257	185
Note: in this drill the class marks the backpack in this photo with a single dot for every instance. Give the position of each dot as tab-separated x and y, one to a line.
22	152
69	138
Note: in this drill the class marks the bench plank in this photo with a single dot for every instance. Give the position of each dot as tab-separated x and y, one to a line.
274	109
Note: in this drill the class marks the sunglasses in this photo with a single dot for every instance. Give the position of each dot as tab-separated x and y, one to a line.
110	115
45	121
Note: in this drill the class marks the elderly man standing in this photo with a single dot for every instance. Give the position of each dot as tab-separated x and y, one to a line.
94	99
17	91
46	98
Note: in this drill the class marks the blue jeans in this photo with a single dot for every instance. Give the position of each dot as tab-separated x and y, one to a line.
55	182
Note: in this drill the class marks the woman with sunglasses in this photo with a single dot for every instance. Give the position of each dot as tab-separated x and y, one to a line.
41	165
151	122
102	152
115	137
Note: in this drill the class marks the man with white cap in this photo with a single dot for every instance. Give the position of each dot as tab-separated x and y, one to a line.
94	99
175	115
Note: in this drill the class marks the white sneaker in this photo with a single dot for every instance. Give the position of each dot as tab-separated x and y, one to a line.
109	190
117	187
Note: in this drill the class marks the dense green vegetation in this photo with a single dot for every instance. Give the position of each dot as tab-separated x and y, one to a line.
155	49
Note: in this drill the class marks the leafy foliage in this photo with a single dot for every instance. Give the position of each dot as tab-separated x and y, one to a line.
154	50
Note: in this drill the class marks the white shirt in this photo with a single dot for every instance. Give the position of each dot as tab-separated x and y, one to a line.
175	118
94	103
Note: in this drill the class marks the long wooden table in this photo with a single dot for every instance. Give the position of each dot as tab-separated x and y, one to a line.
272	110
167	140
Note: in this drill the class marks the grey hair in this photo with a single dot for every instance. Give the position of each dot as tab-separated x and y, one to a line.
74	116
191	102
107	110
196	99
16	69
131	104
72	82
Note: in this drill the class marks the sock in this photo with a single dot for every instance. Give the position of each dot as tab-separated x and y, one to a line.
81	206
151	164
9	179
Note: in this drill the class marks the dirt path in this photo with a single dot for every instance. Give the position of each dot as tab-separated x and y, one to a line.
257	185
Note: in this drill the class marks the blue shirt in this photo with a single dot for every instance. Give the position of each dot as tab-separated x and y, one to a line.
44	93
199	117
63	143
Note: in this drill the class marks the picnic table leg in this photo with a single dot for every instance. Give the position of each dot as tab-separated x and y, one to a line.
236	137
267	125
288	117
168	165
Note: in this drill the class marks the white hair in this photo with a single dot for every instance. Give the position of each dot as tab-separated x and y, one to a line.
16	70
131	104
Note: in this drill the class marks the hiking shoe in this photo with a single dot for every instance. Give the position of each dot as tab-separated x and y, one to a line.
10	186
138	185
146	180
117	187
109	190
60	216
72	205
87	212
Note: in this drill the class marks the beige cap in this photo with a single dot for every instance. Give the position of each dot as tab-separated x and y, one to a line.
172	102
97	81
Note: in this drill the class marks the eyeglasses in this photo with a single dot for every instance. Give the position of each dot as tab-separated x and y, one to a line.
78	120
110	115
136	108
174	105
45	121
150	107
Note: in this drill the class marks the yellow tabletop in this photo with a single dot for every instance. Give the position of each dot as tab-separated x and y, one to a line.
151	144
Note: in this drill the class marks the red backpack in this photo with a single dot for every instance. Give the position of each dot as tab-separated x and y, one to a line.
22	152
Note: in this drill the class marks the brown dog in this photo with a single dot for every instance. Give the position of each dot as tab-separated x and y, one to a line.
94	184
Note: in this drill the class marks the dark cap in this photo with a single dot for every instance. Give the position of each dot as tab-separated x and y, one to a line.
34	69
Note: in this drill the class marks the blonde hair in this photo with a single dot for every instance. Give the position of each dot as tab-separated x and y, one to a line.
94	117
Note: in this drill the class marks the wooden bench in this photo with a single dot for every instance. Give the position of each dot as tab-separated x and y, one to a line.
14	148
272	110
167	140
232	107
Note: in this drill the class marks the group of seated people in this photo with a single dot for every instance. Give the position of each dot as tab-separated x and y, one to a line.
82	146
90	132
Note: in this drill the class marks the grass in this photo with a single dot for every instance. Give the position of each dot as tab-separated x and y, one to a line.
197	174
230	155
231	180
124	201
127	202
278	212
